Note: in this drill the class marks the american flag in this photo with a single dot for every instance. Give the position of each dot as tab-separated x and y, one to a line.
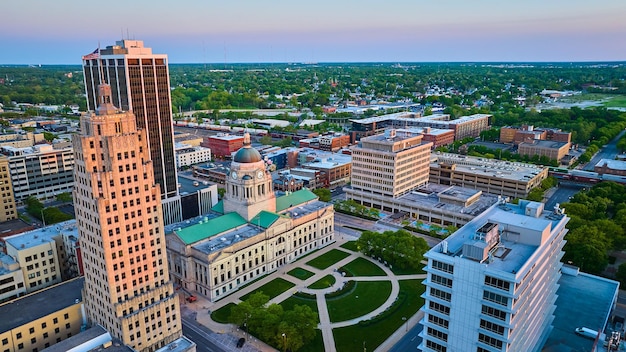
94	55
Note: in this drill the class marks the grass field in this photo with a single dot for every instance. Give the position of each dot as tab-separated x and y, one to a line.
375	332
365	297
322	283
272	288
221	315
618	101
300	273
363	267
351	246
325	260
399	271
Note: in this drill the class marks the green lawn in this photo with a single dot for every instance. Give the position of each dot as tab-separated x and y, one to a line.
292	301
300	273
351	246
325	260
322	283
376	331
618	101
363	267
364	298
221	315
272	288
399	271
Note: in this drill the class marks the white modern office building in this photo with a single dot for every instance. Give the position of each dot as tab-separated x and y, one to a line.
491	286
41	171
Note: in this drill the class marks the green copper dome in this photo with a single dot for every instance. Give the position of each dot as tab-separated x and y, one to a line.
247	154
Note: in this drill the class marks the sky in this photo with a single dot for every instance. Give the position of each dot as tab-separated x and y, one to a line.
233	31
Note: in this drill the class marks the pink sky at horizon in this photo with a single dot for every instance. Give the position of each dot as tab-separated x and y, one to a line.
59	32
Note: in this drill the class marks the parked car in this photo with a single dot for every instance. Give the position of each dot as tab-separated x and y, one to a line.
241	342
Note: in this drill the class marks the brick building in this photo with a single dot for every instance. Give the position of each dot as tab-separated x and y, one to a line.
223	145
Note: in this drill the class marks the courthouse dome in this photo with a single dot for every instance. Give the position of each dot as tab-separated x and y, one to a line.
247	154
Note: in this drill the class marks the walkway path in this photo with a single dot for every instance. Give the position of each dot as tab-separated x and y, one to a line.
325	325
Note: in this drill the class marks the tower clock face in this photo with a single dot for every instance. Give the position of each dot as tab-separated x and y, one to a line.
233	175
260	174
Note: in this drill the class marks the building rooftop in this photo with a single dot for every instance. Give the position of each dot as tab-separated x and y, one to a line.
226	137
189	184
91	339
427	196
181	344
6	262
583	300
612	164
497	168
295	198
519	234
42	235
545	144
208	228
40	304
409	116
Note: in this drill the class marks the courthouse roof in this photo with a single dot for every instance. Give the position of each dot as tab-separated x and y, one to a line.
209	228
293	199
264	219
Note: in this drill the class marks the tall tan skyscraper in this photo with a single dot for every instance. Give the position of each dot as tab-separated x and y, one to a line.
140	84
120	223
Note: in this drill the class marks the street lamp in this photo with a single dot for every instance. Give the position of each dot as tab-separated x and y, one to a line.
284	342
407	324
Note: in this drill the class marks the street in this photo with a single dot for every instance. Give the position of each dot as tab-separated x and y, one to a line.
409	341
562	195
608	151
197	334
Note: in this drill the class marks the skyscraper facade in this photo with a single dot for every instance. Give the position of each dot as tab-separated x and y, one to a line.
139	83
120	223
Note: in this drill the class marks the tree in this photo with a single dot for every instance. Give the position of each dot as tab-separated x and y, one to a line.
221	192
323	193
64	197
398	248
621	273
266	140
49	136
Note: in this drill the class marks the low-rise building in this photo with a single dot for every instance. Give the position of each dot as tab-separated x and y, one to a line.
611	167
465	126
187	155
39	320
551	150
336	170
11	279
21	140
528	133
223	145
510	179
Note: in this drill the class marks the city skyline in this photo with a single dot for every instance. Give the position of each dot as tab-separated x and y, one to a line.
39	32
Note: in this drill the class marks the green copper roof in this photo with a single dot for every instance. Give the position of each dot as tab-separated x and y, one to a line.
293	199
219	207
210	228
264	219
